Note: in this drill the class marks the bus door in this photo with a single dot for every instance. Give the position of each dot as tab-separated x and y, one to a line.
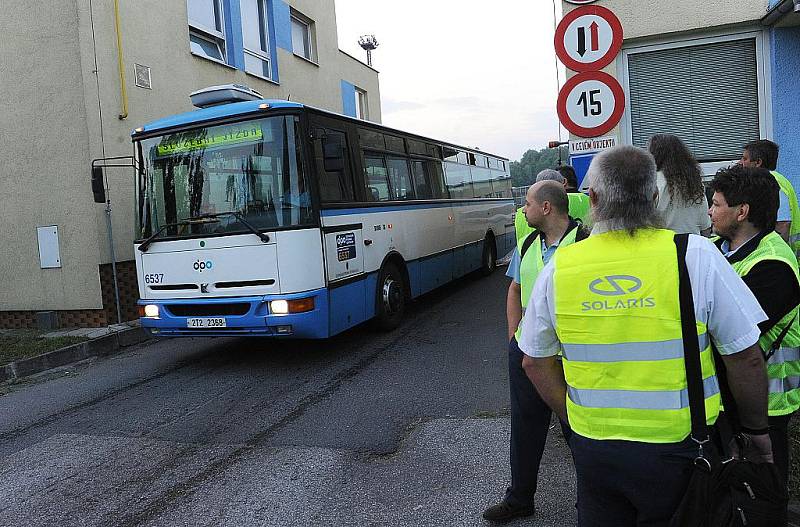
342	232
344	252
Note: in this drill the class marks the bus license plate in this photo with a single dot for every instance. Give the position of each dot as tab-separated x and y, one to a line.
206	323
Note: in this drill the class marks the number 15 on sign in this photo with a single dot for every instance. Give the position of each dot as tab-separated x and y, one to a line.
590	104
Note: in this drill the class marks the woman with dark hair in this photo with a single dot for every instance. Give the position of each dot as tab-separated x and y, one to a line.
681	200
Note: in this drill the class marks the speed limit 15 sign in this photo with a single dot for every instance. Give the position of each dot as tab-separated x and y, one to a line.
591	103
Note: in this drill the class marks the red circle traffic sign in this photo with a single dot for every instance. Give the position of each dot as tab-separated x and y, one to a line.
580	2
590	103
588	38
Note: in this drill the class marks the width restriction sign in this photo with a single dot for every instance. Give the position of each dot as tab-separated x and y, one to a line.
588	38
590	104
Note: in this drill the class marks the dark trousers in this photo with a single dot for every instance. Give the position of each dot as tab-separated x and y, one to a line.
530	421
630	484
779	435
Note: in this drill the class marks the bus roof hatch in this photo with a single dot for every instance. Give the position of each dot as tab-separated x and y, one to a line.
223	94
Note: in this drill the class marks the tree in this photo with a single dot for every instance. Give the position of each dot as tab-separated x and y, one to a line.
523	172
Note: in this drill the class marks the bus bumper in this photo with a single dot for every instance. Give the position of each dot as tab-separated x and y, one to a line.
244	316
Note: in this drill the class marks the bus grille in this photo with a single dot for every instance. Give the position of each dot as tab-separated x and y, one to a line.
208	310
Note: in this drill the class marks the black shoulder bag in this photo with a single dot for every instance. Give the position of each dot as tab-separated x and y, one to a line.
733	492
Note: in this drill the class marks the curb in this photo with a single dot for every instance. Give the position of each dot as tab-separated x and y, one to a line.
99	347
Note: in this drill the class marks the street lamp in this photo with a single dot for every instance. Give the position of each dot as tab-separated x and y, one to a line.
368	43
557	144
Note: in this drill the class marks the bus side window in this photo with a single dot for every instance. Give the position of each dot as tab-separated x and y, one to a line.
435	175
421	183
377	179
335	179
400	179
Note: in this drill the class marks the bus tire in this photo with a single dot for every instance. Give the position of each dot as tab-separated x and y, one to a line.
489	256
390	298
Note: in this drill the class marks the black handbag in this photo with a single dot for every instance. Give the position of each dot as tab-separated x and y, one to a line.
722	492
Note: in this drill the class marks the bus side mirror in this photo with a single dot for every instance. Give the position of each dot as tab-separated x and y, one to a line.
98	187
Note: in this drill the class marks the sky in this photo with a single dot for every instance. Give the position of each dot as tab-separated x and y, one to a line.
470	72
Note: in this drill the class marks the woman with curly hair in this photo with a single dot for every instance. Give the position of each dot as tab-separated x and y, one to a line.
681	199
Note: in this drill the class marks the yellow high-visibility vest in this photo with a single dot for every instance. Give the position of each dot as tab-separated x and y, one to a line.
617	316
521	227
783	365
579	207
794	228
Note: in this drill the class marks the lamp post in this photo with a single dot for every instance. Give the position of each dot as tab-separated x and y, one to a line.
557	144
368	43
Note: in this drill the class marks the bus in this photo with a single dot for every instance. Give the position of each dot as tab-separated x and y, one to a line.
272	218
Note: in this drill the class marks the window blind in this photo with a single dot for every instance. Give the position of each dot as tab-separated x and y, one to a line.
707	95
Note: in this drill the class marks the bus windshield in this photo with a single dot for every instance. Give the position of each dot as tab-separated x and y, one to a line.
249	171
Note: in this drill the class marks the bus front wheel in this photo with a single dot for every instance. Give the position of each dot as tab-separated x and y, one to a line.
391	298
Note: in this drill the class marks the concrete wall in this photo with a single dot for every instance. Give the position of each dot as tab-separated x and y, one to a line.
643	18
50	53
44	158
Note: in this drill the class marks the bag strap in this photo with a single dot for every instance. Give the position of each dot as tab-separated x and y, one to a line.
528	242
691	347
777	344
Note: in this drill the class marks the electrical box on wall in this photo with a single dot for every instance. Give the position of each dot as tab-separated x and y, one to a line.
49	252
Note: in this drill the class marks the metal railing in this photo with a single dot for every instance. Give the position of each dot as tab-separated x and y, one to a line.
519	195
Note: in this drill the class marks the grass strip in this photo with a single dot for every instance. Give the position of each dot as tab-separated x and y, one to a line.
24	343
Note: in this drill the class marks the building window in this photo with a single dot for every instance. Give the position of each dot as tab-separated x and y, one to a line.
709	95
303	36
255	38
206	29
362	106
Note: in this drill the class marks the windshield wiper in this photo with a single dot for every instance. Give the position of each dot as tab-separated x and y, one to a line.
199	220
188	221
239	216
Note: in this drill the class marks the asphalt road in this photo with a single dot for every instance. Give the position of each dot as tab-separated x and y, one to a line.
403	428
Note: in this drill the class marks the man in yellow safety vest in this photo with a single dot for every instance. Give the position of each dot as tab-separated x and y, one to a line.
545	210
764	154
743	211
610	306
578	201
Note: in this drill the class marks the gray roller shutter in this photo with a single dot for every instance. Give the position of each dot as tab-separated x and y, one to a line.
707	95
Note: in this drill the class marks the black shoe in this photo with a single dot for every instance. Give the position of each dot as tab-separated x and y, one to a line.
504	511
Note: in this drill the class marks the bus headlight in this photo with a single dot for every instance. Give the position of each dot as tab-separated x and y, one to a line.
284	307
151	311
279	307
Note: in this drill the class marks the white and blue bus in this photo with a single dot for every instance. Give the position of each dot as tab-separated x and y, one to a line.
271	218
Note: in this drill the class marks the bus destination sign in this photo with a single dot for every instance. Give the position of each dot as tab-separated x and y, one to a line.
209	138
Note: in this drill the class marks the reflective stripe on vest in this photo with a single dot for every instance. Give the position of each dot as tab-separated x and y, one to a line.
794	229
629	351
617	316
639	400
784	397
784	385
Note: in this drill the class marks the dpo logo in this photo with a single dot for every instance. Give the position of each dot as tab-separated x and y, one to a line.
201	266
615	285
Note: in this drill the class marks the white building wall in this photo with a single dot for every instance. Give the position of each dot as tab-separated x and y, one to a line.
63	60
